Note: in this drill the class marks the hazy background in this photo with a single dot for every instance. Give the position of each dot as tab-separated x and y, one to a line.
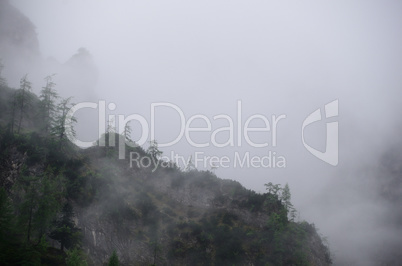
277	58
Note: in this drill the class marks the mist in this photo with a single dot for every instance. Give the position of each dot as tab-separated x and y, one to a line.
272	58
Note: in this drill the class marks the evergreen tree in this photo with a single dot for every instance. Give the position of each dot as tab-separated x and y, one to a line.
2	79
51	193
48	98
156	248
29	204
293	214
13	113
6	218
274	189
38	204
24	98
110	137
63	123
75	258
274	194
114	259
190	165
153	150
286	201
127	133
66	232
285	197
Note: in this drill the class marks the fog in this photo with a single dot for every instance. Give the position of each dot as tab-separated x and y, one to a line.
272	58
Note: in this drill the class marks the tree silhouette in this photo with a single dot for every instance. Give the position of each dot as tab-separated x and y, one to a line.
48	98
2	80
66	232
23	98
153	150
63	124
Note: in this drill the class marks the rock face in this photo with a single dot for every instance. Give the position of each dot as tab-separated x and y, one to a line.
16	31
10	168
19	44
168	217
79	75
20	55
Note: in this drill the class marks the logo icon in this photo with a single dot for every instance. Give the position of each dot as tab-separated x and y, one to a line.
330	155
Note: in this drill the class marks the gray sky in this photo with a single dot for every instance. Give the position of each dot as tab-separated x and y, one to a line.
277	57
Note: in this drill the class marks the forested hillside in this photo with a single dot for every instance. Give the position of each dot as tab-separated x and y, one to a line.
61	205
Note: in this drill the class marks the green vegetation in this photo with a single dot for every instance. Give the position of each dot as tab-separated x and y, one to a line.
65	231
75	258
170	216
114	260
37	178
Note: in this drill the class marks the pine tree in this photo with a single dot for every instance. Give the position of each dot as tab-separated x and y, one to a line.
23	98
127	133
48	98
273	189
114	259
273	195
38	204
286	201
6	225
6	216
13	113
153	150
63	123
293	214
110	136
48	203
285	197
66	232
2	79
29	204
156	248
75	258
190	165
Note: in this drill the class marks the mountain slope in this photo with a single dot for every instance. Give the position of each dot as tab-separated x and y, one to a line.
163	216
